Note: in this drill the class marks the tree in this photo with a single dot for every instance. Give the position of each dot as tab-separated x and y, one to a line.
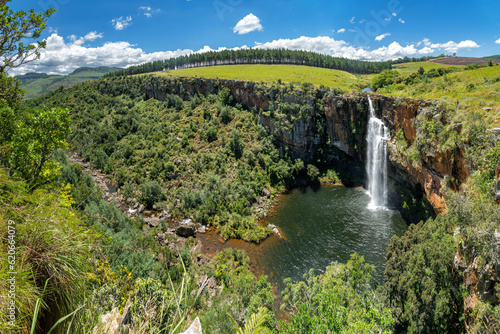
16	29
421	282
421	71
385	78
490	63
236	144
151	193
339	301
37	133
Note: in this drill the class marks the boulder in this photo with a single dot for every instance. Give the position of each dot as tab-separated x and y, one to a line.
195	327
114	322
186	228
153	221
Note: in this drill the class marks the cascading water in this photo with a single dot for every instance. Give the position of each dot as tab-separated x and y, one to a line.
376	162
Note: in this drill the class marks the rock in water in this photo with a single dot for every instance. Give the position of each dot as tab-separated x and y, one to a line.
195	327
186	228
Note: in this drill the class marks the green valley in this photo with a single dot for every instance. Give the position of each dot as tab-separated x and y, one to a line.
36	84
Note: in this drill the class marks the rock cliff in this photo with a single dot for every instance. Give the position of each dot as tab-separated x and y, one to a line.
310	122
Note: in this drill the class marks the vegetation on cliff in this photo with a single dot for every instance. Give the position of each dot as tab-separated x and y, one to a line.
461	88
207	157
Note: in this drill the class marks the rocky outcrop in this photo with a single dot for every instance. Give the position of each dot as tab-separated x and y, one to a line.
114	322
186	228
334	124
195	327
480	279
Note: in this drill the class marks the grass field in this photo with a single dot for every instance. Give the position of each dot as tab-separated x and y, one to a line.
407	68
271	73
477	89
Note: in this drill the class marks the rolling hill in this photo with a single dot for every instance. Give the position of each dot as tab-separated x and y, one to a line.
274	73
37	84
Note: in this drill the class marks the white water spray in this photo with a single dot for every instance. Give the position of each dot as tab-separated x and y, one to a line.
376	162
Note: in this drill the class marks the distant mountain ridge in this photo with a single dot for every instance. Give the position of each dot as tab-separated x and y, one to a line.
37	84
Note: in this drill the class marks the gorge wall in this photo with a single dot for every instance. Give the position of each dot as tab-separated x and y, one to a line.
314	122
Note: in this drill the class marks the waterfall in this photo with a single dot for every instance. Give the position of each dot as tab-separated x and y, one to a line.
376	162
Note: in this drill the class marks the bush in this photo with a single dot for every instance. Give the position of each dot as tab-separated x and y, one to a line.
151	193
339	301
211	134
224	113
422	285
236	144
174	101
384	79
312	172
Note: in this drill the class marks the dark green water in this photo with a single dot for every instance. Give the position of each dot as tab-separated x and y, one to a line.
326	225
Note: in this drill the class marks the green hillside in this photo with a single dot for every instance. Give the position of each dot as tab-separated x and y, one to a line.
469	88
37	84
274	73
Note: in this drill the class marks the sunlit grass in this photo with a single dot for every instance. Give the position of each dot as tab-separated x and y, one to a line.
407	68
469	90
272	73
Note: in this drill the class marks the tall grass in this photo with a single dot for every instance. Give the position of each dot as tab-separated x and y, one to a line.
52	254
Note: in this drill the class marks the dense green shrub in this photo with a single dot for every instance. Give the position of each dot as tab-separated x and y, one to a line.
339	301
423	288
151	193
384	79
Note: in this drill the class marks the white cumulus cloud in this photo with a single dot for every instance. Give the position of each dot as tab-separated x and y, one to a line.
497	41
340	31
450	46
381	37
121	23
62	56
248	24
402	21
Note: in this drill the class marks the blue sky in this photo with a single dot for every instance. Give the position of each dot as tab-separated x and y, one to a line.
124	33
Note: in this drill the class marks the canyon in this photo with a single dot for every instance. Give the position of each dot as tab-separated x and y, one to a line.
332	127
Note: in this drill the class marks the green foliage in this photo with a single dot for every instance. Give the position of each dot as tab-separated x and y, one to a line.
312	172
243	294
256	323
339	301
216	170
422	285
224	96
151	193
236	144
224	113
37	133
17	28
10	93
384	79
478	218
51	247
